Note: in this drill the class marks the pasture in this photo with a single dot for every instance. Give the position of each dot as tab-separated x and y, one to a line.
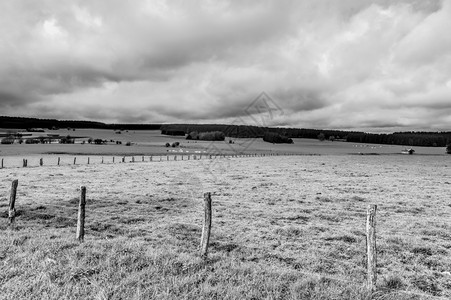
152	142
285	227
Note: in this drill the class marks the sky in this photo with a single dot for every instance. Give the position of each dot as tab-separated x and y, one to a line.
375	66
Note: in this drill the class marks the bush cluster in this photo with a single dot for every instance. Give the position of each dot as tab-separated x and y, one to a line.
7	141
275	138
206	136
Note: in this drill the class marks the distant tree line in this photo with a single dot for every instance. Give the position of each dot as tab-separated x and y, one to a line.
244	131
206	136
30	123
427	139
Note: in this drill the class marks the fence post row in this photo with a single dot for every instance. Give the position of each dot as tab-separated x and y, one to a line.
81	215
206	229
371	247
12	202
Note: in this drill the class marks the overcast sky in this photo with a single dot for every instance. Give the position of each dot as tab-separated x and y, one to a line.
376	66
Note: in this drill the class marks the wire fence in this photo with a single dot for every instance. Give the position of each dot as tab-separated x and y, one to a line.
66	160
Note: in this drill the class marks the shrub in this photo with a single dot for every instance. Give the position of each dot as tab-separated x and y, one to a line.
128	144
98	141
168	145
67	140
448	149
175	144
31	141
272	137
7	141
321	136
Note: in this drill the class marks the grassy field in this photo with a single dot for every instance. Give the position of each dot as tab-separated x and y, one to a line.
146	143
283	228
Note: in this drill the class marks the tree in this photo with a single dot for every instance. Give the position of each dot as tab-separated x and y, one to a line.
321	136
448	149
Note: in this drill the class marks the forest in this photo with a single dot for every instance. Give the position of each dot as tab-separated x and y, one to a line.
411	138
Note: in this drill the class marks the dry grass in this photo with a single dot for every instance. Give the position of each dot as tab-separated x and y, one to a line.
283	228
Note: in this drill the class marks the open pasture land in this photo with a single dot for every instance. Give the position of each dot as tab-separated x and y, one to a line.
152	142
283	228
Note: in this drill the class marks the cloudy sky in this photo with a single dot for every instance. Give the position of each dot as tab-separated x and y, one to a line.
376	66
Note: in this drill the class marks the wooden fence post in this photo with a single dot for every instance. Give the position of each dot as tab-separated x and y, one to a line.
59	159
41	162
175	157
81	215
151	158
102	159
113	159
371	247
75	160
88	160
12	203
206	229
2	164
133	159
167	157
24	164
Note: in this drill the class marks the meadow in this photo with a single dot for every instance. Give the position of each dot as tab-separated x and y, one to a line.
284	227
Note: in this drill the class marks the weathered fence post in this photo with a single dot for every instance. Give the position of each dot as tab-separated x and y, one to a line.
102	159
59	159
88	160
167	157
12	203
2	164
151	158
206	229
81	215
24	164
41	162
113	159
371	246
133	159
75	160
123	159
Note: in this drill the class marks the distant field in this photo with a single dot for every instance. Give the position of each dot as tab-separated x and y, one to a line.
283	228
152	143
